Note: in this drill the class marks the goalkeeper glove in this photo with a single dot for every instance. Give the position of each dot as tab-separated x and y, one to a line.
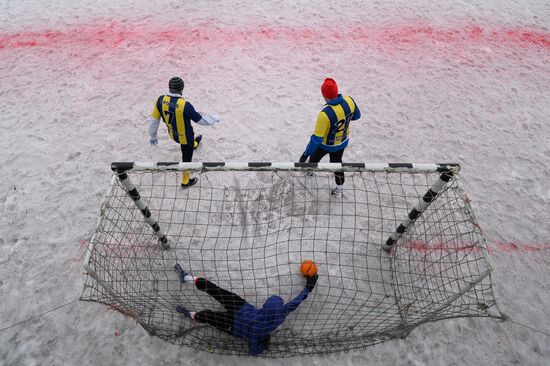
303	158
215	118
311	281
209	120
153	142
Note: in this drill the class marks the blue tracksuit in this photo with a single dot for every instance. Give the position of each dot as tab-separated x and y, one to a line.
256	324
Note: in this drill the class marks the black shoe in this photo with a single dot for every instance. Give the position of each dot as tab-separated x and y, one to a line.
192	182
198	140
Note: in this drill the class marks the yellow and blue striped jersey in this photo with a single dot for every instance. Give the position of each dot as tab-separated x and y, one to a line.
177	114
332	128
333	121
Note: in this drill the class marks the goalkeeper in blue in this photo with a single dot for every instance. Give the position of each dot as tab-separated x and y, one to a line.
332	130
177	113
240	318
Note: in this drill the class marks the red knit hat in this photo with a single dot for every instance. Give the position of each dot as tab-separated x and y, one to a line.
329	89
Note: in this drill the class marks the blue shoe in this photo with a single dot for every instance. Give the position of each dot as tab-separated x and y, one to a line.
180	309
181	273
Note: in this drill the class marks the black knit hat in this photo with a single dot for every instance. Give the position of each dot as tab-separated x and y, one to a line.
176	84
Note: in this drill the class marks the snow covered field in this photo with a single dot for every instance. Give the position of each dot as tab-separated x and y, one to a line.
450	81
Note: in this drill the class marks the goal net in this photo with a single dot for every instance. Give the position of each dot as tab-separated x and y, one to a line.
400	248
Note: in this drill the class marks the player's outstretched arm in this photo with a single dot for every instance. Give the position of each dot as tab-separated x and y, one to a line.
209	120
198	118
310	284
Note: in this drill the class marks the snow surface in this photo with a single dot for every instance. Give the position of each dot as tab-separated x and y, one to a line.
437	81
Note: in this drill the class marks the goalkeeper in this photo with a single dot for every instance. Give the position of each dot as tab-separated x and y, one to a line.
177	113
240	318
332	130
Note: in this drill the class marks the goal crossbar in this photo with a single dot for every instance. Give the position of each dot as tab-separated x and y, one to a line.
288	166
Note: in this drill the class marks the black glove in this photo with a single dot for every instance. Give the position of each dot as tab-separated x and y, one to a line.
311	281
303	158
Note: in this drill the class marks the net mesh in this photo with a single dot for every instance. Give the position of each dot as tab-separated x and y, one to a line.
249	231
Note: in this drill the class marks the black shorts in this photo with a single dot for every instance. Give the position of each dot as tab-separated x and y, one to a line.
335	157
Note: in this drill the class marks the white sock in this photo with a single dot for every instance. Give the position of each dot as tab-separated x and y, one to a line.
189	278
338	189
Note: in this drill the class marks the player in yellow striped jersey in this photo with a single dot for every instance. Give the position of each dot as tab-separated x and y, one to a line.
332	130
177	113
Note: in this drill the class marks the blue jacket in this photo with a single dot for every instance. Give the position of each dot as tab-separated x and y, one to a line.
256	324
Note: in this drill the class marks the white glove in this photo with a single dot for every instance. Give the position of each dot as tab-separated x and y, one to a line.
209	120
215	118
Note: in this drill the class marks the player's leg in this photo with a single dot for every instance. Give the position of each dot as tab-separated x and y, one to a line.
336	157
186	157
317	155
231	301
222	320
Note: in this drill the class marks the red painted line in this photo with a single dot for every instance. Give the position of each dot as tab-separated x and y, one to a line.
398	37
450	247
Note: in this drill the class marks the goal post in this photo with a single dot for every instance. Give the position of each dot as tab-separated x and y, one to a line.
142	206
402	247
422	204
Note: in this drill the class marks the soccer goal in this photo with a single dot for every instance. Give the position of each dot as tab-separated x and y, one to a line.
400	248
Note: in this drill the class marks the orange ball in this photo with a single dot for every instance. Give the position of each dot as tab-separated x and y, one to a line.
308	268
